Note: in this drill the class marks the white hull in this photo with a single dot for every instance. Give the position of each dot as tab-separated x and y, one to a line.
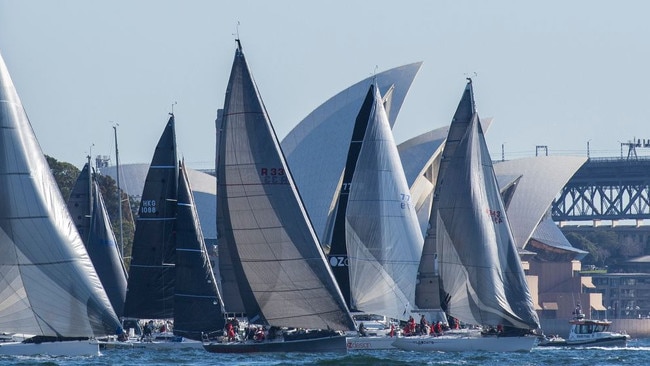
455	343
370	343
66	348
186	343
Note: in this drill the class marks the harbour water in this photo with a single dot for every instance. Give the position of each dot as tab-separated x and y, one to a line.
637	353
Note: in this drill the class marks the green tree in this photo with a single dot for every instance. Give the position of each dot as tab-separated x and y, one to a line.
108	188
605	246
65	175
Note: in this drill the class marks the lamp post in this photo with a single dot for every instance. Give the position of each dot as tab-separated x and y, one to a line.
588	149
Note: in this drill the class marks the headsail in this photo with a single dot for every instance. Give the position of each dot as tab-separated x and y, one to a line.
281	269
427	294
150	291
89	214
197	302
380	231
48	284
230	292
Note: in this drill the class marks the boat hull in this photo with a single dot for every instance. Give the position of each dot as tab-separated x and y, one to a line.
185	344
327	344
64	348
370	343
460	344
619	341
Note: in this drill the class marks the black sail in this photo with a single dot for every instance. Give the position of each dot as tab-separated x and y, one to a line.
89	214
150	291
197	302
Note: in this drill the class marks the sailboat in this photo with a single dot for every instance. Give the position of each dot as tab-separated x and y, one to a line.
281	270
150	293
50	291
376	242
470	266
89	215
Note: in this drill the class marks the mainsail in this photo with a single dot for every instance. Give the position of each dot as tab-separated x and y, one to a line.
379	230
150	293
89	214
481	275
48	284
197	302
281	269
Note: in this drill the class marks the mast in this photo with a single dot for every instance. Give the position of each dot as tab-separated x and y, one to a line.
90	187
119	192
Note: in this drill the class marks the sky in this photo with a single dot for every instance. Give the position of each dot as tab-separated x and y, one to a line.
560	74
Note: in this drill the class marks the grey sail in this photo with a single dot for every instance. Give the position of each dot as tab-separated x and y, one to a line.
380	228
87	208
150	293
480	271
427	293
232	298
48	284
197	302
281	269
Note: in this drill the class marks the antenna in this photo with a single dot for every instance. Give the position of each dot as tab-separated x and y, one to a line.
236	34
90	151
469	76
172	112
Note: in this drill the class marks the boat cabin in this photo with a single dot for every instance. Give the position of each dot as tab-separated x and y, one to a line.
589	326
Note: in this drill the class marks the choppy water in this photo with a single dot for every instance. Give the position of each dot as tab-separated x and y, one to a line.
637	353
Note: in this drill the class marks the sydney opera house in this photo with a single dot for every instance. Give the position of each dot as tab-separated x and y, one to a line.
316	151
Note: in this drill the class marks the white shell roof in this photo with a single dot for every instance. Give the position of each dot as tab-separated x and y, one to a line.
542	178
316	149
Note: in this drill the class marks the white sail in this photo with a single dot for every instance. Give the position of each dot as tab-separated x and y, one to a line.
383	237
279	265
48	285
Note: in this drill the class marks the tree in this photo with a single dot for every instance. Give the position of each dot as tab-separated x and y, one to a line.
606	247
65	175
108	188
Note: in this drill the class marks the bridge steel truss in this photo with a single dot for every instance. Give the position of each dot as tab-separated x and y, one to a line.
606	189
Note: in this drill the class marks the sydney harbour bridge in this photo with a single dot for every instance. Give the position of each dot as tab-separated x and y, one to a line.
607	189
